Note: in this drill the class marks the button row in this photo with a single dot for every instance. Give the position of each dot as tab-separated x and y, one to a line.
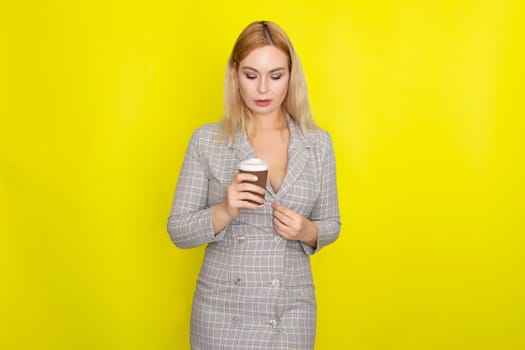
237	321
274	282
241	238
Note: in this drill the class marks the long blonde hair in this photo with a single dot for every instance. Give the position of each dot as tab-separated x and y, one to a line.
237	116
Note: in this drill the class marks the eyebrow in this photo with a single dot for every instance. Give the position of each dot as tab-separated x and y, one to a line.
271	71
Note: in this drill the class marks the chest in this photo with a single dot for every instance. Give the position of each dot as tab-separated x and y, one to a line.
300	170
273	149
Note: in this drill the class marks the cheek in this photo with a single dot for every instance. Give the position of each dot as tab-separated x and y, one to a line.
282	89
244	92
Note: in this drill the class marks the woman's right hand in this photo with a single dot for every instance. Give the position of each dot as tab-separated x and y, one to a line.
240	192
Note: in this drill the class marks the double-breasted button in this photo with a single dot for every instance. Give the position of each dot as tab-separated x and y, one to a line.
275	283
277	239
240	238
272	323
237	281
236	321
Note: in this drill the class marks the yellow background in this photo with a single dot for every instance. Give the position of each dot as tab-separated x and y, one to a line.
425	104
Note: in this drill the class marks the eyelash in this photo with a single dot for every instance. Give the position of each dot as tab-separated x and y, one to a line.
252	77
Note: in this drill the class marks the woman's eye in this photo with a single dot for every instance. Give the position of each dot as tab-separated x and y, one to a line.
251	77
276	77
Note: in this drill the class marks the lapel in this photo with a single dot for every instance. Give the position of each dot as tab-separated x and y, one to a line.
298	156
243	149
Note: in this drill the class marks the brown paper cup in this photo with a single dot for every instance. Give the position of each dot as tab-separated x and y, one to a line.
258	168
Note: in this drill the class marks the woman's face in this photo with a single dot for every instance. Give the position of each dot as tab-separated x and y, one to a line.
263	78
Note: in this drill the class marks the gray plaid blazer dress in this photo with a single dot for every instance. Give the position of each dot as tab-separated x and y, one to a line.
255	288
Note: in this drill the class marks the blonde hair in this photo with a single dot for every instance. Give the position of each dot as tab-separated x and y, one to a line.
237	116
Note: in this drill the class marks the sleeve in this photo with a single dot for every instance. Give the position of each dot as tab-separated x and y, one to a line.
190	220
325	213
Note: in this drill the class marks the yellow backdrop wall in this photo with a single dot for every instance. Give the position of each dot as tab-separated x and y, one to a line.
424	101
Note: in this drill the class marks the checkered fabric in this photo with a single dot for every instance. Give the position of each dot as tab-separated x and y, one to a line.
255	288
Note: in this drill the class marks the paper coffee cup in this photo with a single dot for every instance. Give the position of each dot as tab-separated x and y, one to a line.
257	167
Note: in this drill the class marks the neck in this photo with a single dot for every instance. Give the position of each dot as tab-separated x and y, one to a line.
276	120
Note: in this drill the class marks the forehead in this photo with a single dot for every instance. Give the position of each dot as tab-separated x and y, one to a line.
265	58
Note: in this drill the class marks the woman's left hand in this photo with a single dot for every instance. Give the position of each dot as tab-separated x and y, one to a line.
293	226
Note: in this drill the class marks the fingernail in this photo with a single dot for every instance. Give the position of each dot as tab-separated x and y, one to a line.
254	178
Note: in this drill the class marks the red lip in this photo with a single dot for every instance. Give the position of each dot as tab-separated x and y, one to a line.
262	103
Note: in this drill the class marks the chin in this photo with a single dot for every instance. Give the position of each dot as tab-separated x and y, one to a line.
263	111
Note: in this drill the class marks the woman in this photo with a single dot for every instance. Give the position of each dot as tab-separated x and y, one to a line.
255	288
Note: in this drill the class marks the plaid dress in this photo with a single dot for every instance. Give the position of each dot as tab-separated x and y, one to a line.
255	288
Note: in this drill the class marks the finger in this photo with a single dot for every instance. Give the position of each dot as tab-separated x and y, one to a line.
245	204
277	207
236	197
282	229
249	196
242	198
249	187
283	222
281	217
284	211
242	177
292	223
249	205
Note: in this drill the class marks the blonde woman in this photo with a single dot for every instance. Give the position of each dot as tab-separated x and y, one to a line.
255	288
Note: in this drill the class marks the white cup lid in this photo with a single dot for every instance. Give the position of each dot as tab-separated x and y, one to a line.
253	164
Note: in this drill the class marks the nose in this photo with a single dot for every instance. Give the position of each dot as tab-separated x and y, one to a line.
262	86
